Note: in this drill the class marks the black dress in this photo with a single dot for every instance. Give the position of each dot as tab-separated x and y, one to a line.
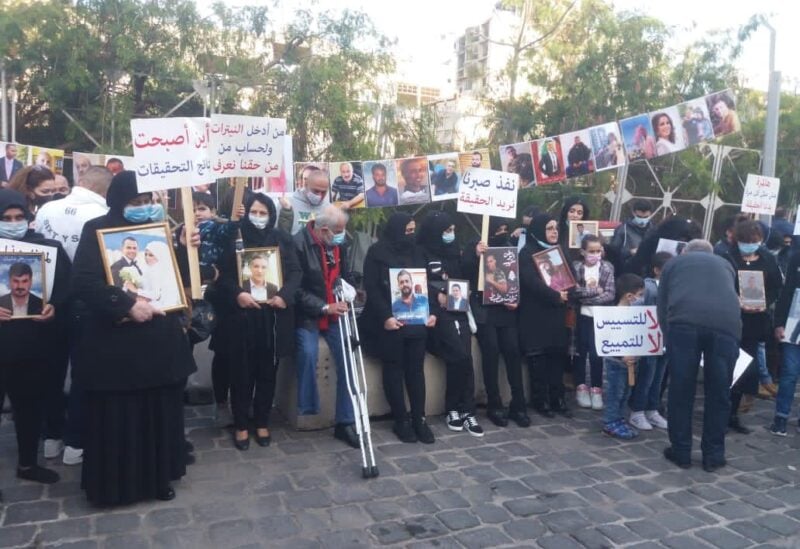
133	374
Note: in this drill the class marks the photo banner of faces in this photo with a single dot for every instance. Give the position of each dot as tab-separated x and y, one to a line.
642	137
16	156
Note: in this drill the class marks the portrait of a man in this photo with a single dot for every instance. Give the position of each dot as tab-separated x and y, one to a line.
21	285
414	184
261	273
126	271
457	295
409	301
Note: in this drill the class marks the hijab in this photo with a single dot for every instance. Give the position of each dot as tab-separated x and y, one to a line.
394	234
430	233
253	236
537	231
497	241
121	191
10	198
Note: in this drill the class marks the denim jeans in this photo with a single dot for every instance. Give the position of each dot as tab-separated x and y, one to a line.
764	376
646	394
615	390
788	381
686	343
307	341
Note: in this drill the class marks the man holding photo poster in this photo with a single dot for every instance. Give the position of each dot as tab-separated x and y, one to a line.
787	325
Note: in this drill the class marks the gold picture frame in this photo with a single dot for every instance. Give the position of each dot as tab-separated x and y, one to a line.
273	272
38	284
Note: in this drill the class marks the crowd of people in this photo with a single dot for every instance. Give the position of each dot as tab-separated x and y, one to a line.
129	358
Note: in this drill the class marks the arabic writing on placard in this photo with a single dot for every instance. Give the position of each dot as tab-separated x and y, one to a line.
488	192
50	257
760	194
246	146
170	153
627	331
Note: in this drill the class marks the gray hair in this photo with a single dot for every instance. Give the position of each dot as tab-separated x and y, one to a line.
699	245
97	179
330	216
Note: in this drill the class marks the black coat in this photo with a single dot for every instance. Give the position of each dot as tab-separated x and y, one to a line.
542	315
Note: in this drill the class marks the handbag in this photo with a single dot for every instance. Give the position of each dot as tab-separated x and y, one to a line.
203	321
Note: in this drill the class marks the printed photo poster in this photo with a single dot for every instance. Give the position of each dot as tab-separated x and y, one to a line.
553	268
409	295
477	158
674	247
52	159
501	276
22	284
445	173
16	155
380	180
347	184
637	134
580	229
627	331
577	153
606	146
751	290
760	194
170	153
791	334
246	146
668	131
547	161
49	253
117	163
83	161
276	186
457	295
303	169
722	112
488	192
260	273
518	159
695	122
140	261
412	182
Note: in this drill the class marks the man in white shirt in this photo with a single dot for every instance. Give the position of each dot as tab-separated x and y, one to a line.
63	220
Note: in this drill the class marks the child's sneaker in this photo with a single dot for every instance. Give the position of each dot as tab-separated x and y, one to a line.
639	421
582	396
619	429
778	427
656	419
454	421
471	425
596	397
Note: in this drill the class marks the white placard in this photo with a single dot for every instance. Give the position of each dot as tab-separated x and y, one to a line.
488	192
50	258
170	153
627	331
760	194
246	146
797	222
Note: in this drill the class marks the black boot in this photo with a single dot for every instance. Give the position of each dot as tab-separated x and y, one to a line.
559	406
498	416
735	424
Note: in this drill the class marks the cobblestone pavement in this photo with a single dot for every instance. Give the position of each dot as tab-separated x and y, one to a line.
560	484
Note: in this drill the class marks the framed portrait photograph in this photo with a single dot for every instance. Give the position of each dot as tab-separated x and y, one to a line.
445	174
260	273
553	268
409	295
751	290
380	180
413	184
580	229
500	276
141	261
458	295
22	284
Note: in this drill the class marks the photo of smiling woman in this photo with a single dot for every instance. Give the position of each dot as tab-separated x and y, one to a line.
668	139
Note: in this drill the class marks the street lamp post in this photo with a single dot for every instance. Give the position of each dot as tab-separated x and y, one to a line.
773	111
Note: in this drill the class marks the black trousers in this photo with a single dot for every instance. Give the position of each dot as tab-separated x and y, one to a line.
220	377
547	377
252	375
748	382
24	385
494	340
405	369
55	399
459	392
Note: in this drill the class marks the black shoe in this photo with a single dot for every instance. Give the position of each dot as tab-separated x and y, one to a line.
736	425
520	418
189	446
423	431
404	430
669	453
346	432
560	407
189	460
498	416
711	465
263	441
166	494
241	445
471	425
38	474
543	409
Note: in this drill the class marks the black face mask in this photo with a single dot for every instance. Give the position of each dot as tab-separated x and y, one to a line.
498	240
40	201
59	196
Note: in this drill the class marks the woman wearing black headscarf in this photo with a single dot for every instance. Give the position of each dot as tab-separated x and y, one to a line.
451	339
542	314
133	360
400	347
261	333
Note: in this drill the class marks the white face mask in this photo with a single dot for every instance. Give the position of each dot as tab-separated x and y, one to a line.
258	221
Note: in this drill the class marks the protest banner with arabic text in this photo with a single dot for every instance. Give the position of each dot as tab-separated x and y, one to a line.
488	192
170	153
627	331
246	146
760	194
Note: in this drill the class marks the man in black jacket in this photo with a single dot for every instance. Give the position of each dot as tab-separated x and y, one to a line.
321	250
20	279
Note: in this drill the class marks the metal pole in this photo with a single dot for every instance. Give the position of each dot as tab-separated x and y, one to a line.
773	112
616	206
3	97
14	116
113	118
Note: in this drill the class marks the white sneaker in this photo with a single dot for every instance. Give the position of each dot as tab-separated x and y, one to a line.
582	396
52	448
454	421
72	456
656	419
596	397
640	422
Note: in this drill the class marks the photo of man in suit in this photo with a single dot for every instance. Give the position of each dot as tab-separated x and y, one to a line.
548	164
456	301
10	165
130	248
20	301
257	285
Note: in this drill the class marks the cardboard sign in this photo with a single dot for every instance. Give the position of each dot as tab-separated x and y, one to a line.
170	153
627	331
488	192
50	257
246	146
760	194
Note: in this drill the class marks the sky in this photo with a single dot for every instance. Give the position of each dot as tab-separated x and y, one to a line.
426	31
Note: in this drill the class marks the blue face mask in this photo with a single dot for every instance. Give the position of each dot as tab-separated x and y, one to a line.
749	248
13	229
338	238
638	301
544	245
641	221
447	238
144	213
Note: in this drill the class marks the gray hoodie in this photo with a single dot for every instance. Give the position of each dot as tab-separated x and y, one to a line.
302	211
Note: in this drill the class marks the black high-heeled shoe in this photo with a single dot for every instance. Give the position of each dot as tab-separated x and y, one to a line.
263	441
241	445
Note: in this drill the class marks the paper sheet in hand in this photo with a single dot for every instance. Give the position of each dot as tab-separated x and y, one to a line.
742	362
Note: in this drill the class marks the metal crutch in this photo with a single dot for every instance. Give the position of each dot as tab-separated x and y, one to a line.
356	376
